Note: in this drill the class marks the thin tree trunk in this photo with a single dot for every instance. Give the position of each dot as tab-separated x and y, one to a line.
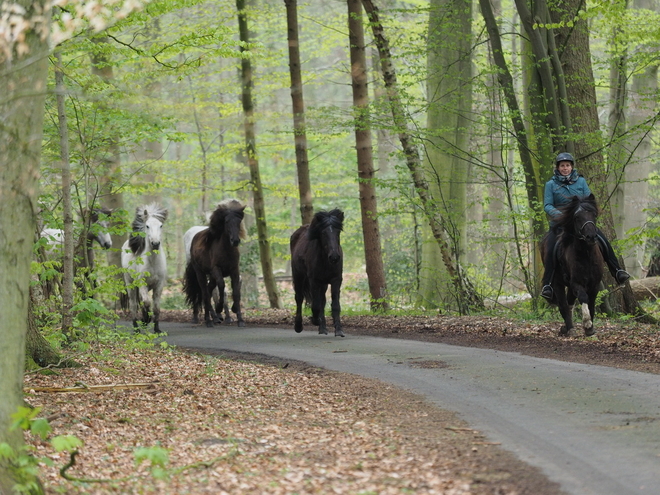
23	83
253	163
368	201
467	296
67	275
298	103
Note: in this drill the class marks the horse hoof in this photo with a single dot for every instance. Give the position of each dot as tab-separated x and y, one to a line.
339	333
588	332
209	324
298	328
323	331
241	324
195	321
563	331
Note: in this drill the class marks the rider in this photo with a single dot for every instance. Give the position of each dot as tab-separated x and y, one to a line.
564	184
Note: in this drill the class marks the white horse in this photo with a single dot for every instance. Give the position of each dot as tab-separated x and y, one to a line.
98	231
145	264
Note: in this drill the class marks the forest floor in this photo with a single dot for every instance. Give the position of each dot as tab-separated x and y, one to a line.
259	425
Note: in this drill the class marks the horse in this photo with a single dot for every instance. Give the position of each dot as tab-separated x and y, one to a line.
187	242
214	255
144	263
579	266
316	261
96	229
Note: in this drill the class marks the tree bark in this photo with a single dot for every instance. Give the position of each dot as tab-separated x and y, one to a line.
67	264
466	296
449	99
368	200
23	82
298	104
253	163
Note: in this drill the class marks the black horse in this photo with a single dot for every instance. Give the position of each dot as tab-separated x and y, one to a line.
579	267
214	255
316	261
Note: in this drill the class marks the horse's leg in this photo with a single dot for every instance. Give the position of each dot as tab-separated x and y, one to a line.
158	291
589	329
335	288
225	308
236	297
213	290
145	301
206	297
298	322
318	306
132	305
216	301
566	312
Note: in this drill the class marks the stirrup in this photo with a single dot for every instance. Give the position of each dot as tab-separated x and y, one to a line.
621	277
547	293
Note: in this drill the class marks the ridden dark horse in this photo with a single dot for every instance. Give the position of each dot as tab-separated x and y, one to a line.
316	261
579	266
214	255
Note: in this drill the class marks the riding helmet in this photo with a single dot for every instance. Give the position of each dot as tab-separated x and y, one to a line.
564	157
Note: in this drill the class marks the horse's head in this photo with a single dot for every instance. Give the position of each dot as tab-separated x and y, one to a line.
227	219
99	228
149	220
579	219
326	227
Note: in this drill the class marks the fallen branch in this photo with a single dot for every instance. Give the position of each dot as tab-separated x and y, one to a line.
93	388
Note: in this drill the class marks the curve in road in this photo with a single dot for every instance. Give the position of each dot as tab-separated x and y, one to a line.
593	429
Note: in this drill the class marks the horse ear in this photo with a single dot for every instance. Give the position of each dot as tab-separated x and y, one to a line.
165	213
592	197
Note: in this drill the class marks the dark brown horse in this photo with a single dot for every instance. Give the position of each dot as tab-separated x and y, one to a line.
316	261
214	255
579	267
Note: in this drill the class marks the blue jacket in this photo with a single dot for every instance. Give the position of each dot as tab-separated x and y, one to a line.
560	189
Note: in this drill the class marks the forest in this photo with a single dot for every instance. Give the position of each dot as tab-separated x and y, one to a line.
432	125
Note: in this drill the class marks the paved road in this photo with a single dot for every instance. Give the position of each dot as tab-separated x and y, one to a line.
595	430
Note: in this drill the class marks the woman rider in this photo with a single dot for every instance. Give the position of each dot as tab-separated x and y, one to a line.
564	184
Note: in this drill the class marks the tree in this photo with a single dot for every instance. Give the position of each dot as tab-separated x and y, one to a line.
23	75
466	297
449	100
67	265
253	162
368	199
298	107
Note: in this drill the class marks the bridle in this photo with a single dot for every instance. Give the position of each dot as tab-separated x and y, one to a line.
580	235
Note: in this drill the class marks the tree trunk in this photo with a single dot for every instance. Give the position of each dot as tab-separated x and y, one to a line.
573	50
467	297
368	202
449	97
23	83
111	177
253	163
298	103
67	265
532	183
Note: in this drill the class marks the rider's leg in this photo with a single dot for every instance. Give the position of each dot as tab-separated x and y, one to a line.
549	265
620	275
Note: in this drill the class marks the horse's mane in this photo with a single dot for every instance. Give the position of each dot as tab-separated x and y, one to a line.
324	219
137	242
224	209
565	220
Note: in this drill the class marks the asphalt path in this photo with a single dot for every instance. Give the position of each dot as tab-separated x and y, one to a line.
595	430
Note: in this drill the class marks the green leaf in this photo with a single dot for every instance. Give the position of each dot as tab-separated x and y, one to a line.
66	443
41	427
157	456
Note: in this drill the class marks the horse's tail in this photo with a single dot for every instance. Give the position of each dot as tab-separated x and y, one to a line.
191	287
